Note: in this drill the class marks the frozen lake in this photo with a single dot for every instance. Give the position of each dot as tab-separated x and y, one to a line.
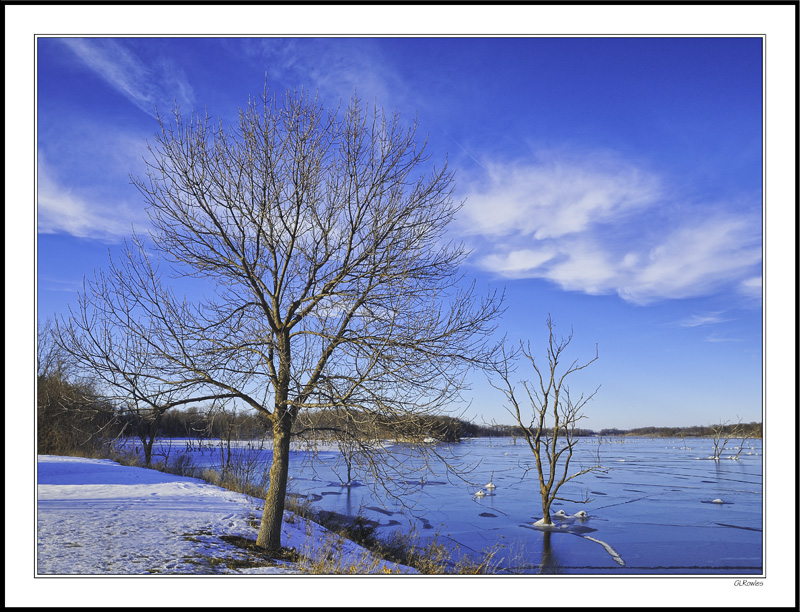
651	511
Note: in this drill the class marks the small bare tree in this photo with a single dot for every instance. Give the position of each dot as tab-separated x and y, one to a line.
724	432
549	425
107	339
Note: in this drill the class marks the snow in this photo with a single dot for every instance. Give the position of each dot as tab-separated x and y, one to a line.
96	517
614	554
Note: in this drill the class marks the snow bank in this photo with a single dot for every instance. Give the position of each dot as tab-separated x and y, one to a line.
98	517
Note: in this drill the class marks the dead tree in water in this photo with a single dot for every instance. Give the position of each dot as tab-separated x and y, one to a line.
722	433
552	416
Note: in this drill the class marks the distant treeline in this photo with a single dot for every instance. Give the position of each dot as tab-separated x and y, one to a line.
195	422
752	430
72	416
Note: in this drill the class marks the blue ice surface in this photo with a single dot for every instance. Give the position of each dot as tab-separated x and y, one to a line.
651	509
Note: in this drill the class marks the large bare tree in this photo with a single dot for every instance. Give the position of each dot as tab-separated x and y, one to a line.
549	417
322	273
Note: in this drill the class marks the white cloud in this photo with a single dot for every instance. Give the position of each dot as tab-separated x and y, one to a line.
583	266
61	209
600	225
751	287
696	259
555	196
518	262
144	85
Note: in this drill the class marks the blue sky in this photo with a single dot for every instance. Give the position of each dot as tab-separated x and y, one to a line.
614	183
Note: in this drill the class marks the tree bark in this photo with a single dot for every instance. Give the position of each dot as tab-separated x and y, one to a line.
269	533
148	452
148	438
546	501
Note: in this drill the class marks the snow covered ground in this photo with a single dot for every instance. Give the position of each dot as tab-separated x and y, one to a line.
96	517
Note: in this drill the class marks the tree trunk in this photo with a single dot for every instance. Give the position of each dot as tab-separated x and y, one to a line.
269	534
546	520
228	459
148	450
148	438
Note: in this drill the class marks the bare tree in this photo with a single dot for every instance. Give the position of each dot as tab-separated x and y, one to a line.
327	280
724	432
549	425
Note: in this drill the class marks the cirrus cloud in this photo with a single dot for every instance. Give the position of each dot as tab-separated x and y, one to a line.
62	209
145	84
600	225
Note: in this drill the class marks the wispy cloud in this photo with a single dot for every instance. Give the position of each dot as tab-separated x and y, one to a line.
145	85
63	209
599	224
700	320
57	285
552	197
335	68
751	287
714	338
